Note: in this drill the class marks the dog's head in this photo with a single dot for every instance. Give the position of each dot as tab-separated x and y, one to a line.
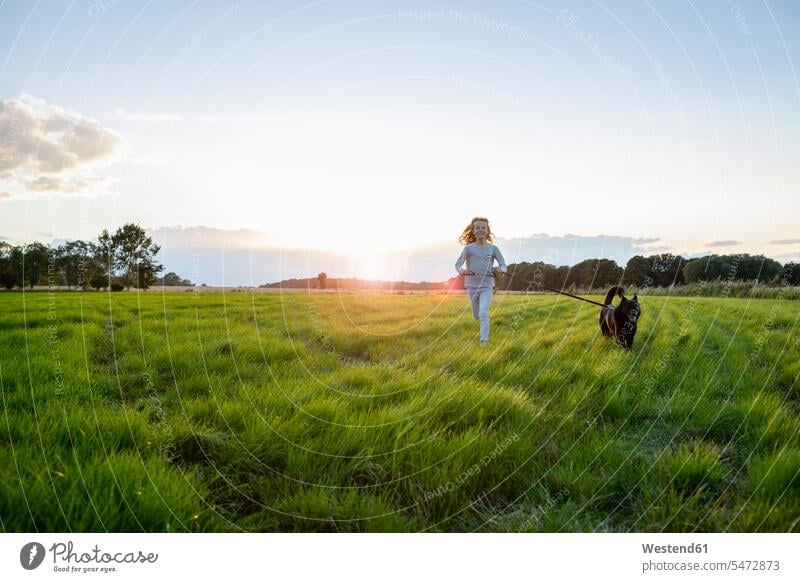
629	311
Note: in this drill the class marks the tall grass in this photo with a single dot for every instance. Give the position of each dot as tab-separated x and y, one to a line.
373	412
721	289
744	289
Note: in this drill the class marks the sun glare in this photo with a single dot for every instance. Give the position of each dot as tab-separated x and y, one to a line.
354	244
362	255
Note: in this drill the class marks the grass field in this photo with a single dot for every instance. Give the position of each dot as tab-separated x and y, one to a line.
373	412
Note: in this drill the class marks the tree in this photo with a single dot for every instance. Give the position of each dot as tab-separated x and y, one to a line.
17	261
667	269
741	267
791	274
35	262
595	273
322	278
759	267
525	276
606	272
74	260
10	265
708	269
98	281
638	271
135	256
104	257
173	280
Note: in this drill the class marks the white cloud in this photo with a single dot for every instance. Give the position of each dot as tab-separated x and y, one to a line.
46	149
73	185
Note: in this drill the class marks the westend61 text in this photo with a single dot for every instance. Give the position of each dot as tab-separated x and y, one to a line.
670	549
65	553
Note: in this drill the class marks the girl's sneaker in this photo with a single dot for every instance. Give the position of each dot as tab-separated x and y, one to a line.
484	342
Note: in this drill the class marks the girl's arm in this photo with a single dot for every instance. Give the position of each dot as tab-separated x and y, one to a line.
461	260
500	260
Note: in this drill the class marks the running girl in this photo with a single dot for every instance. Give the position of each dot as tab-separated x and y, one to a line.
479	254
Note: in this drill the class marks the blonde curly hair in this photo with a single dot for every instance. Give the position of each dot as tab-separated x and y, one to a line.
468	235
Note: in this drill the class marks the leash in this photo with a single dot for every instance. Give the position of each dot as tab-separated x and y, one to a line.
570	295
554	290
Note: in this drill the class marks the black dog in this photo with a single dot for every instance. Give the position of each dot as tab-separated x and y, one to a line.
620	321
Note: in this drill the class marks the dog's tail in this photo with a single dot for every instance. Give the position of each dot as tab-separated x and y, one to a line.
615	290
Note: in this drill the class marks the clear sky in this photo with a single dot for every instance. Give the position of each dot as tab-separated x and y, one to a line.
372	126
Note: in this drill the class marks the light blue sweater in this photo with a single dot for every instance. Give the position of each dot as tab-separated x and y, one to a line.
480	260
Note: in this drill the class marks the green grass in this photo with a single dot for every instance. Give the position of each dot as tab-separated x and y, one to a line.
378	412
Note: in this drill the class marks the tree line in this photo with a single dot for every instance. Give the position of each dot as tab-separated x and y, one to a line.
127	259
661	270
117	261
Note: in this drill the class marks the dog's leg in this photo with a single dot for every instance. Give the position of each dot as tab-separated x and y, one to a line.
605	328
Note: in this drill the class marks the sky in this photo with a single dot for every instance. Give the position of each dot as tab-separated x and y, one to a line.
368	129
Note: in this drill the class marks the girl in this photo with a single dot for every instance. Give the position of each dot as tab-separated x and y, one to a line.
479	254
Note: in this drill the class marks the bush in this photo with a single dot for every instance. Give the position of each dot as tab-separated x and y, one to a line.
8	280
98	281
117	286
741	267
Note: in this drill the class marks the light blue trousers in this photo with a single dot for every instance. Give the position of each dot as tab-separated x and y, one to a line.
480	298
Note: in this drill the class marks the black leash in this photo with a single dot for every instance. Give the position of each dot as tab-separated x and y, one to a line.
570	294
554	290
